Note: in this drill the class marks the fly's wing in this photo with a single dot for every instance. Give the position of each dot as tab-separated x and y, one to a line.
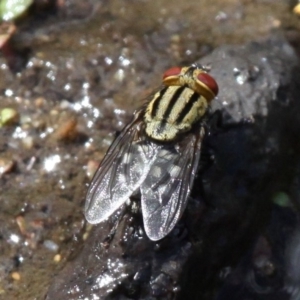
166	188
123	169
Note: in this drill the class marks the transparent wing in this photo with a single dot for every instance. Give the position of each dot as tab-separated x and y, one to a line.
123	169
168	184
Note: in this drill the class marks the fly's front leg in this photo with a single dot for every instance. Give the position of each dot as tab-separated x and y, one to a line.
216	123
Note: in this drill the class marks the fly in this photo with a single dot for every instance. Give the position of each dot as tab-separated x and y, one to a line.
157	153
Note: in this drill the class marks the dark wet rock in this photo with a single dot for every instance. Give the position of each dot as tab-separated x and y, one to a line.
232	238
251	77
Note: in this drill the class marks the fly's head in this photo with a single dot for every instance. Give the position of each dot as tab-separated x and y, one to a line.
194	77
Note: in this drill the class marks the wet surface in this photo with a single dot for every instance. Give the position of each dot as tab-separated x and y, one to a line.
79	71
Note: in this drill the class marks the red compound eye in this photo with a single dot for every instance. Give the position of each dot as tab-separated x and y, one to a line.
175	71
209	82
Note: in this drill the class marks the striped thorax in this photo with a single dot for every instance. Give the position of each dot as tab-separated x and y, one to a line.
180	104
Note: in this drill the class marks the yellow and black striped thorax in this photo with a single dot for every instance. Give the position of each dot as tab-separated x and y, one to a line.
180	104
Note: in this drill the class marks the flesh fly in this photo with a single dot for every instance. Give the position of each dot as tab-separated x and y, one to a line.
157	154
